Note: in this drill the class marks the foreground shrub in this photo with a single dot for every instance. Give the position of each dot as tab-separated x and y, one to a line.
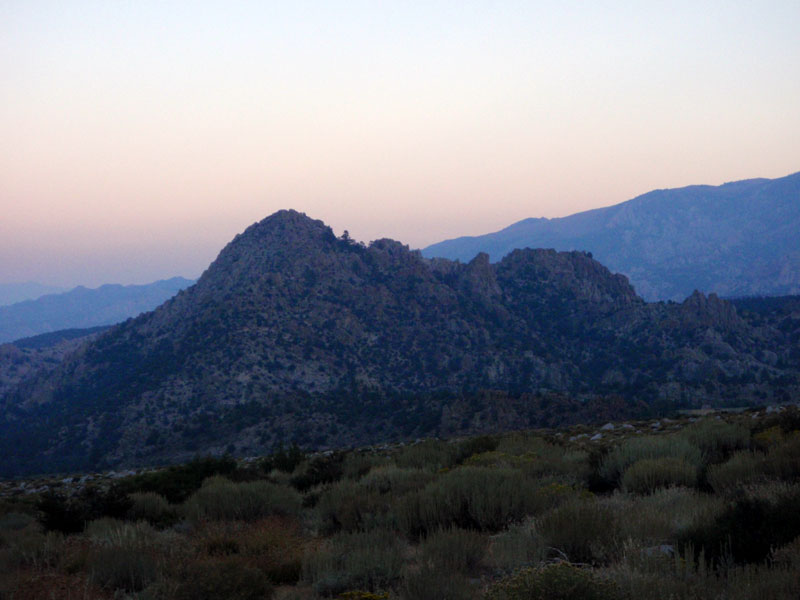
273	545
395	481
121	556
582	531
783	459
350	506
325	468
276	547
633	450
663	516
479	498
353	506
153	508
716	438
222	499
430	455
431	583
224	579
748	529
179	482
30	547
348	561
453	550
520	546
70	514
649	474
560	581
117	567
740	469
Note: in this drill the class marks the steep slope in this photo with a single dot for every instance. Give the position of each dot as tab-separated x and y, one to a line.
293	334
82	307
737	239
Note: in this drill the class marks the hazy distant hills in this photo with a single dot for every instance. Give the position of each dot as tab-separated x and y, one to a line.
293	334
83	307
737	239
11	293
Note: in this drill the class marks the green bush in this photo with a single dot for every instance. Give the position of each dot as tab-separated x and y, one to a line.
283	459
740	469
479	498
431	455
348	561
395	480
749	528
582	531
109	531
560	581
29	547
453	550
663	516
617	461
222	499
783	460
121	567
153	508
649	474
58	512
474	445
716	438
519	546
433	583
324	468
223	579
350	506
179	482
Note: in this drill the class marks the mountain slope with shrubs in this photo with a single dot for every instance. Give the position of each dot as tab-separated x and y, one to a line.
293	334
683	508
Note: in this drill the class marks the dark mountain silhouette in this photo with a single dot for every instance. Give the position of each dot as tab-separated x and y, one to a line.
737	239
295	335
82	307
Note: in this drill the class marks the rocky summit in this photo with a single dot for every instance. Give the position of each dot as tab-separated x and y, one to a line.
295	335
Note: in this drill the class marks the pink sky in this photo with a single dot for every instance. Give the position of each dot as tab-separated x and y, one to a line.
139	138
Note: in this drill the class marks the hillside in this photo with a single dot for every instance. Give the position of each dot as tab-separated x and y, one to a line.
737	239
295	335
83	307
40	354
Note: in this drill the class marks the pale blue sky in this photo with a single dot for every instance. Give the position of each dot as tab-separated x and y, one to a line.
139	137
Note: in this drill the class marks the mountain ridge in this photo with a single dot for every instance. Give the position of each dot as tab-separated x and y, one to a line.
736	239
84	307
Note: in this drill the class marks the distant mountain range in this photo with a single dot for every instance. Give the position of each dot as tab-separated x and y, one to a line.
83	307
737	239
10	293
293	334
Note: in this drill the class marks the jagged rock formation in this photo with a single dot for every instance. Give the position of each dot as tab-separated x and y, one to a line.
737	239
295	335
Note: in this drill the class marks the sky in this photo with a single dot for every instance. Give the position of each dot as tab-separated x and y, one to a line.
139	137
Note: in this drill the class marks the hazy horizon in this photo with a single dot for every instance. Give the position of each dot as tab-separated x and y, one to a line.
139	139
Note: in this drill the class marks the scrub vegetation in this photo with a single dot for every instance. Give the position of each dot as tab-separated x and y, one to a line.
690	508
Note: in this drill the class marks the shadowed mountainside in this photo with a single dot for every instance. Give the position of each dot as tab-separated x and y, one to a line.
293	334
